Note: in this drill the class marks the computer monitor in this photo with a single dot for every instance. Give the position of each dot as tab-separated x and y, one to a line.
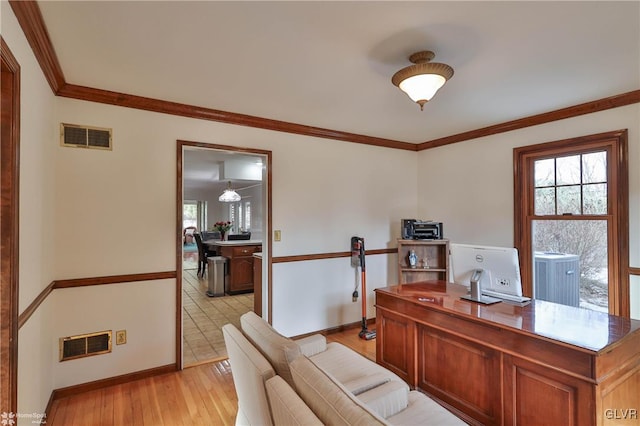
501	270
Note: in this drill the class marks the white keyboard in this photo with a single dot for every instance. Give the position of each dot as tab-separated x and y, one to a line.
503	296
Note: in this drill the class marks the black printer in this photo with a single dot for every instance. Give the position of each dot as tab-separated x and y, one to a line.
413	229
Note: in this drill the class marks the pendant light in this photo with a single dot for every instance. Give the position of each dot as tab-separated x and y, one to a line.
422	80
229	195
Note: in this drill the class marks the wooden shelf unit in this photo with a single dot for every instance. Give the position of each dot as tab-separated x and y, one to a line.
436	254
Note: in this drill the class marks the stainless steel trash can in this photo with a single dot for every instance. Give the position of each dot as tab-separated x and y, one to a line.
217	273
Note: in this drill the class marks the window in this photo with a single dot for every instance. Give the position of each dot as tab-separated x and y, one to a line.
240	216
571	221
247	216
232	213
190	214
194	213
573	184
203	214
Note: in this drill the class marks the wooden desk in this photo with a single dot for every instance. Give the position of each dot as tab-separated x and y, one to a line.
240	266
504	364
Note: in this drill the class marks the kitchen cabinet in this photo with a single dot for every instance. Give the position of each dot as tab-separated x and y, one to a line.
239	256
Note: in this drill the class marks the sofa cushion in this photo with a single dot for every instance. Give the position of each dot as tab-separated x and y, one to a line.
286	406
271	343
331	402
387	399
312	345
422	410
250	370
356	372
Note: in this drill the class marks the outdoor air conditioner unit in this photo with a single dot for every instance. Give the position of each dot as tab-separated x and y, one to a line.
557	278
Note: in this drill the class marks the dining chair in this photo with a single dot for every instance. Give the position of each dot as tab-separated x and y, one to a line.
202	255
187	234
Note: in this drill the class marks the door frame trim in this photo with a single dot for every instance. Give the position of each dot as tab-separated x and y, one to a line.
181	144
9	230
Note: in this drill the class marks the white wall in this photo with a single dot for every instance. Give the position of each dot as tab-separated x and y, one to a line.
476	204
325	193
115	214
316	294
146	310
37	192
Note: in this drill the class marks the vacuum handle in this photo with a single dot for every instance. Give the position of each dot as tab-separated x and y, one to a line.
357	252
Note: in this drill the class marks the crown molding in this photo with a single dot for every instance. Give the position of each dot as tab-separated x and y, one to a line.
30	18
616	101
202	113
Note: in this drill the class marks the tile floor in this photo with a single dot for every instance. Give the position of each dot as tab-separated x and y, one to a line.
203	317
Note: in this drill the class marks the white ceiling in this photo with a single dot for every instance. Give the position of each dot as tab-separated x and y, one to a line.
203	171
329	64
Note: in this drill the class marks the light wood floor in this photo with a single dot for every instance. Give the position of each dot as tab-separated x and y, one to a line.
199	395
203	318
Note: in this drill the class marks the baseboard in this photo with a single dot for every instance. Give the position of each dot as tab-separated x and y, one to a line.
338	329
103	383
47	411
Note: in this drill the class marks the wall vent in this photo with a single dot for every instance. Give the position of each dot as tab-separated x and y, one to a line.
84	345
85	136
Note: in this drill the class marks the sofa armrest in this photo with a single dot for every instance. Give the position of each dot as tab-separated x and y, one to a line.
312	345
287	408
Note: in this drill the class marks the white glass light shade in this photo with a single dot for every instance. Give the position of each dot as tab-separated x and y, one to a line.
422	87
422	80
229	195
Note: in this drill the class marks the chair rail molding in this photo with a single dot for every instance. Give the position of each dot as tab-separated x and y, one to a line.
90	281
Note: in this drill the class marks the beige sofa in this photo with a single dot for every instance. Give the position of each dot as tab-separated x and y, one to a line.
280	381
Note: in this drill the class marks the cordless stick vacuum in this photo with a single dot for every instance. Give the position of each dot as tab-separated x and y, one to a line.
357	247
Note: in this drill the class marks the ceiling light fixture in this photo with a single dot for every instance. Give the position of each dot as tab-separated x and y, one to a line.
229	195
422	80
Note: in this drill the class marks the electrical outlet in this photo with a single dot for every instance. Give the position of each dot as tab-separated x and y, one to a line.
121	337
277	235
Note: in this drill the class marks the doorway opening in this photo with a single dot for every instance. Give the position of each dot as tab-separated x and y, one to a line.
221	275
